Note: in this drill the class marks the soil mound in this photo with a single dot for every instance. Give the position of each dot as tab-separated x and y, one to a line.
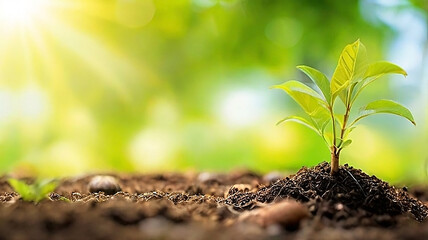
349	192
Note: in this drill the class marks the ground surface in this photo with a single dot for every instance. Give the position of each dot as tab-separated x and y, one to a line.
243	205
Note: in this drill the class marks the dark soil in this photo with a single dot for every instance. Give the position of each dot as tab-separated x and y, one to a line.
362	194
350	205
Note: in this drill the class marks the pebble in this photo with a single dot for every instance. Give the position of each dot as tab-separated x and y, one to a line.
106	184
338	206
287	213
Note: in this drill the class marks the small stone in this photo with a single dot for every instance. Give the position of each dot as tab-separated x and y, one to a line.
338	206
106	184
287	213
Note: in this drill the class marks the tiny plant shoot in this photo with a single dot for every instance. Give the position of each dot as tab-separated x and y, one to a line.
353	73
33	192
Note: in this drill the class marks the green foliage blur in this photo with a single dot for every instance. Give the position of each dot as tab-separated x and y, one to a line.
153	85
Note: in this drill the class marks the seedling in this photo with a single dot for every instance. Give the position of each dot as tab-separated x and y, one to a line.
352	75
33	192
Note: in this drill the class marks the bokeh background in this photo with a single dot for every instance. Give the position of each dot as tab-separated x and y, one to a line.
157	85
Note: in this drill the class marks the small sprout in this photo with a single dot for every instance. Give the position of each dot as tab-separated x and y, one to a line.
35	192
353	73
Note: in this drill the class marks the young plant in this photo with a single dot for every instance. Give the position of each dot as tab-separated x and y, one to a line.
352	75
33	192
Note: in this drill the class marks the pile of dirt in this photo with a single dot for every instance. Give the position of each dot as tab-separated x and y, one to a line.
349	193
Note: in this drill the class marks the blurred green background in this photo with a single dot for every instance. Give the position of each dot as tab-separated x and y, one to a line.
157	85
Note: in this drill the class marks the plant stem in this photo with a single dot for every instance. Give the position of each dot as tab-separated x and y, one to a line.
335	153
345	121
333	149
348	110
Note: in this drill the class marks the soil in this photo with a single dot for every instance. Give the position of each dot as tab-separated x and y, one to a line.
242	205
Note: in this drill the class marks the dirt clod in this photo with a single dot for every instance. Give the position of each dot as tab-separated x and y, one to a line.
287	213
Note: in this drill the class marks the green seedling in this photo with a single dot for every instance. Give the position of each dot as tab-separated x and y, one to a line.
35	192
352	75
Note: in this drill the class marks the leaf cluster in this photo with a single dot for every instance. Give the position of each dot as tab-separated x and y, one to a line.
352	75
35	192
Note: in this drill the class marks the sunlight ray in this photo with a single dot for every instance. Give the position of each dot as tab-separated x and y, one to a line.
56	80
39	41
96	55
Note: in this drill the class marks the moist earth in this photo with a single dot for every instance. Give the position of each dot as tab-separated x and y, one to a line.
310	204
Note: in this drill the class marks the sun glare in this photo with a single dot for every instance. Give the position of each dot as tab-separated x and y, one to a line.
20	12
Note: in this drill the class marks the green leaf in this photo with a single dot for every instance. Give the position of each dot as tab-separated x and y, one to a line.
343	144
384	106
339	118
328	137
346	143
302	121
43	188
23	189
375	71
381	68
319	79
310	101
351	68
